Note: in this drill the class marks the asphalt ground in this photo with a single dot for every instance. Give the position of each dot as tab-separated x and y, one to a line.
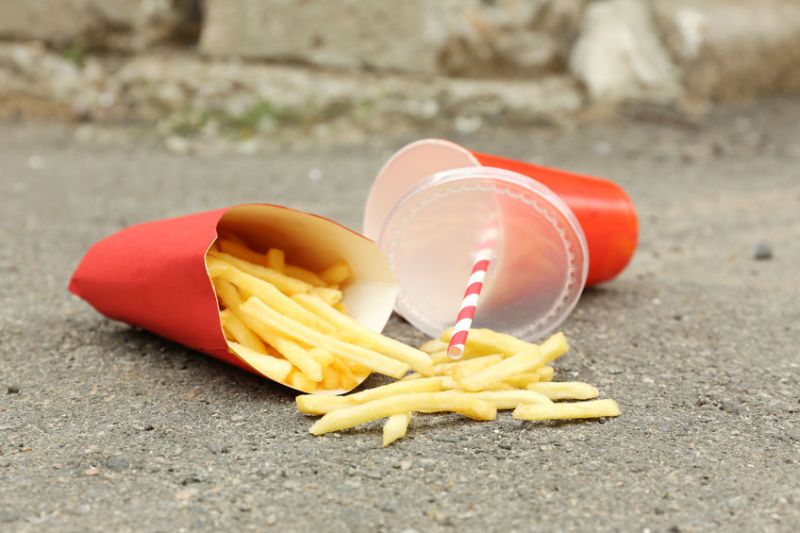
105	427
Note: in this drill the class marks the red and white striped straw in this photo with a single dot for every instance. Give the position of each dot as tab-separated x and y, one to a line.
469	304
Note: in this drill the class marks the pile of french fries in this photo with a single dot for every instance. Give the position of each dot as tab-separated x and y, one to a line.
289	324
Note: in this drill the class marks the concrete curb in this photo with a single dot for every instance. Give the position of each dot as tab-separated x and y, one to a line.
669	52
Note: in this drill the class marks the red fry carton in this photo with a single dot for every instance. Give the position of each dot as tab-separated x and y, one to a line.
153	275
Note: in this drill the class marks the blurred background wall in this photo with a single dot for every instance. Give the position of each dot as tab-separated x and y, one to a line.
194	67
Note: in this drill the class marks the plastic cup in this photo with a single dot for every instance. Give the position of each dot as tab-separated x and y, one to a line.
555	232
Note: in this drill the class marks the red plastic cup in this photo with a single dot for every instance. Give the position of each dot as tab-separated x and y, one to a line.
558	232
603	209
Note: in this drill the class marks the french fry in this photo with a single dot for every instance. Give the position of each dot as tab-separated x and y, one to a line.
240	332
465	367
524	361
433	346
554	347
486	341
293	352
462	369
545	373
324	357
512	398
328	295
521	381
450	384
395	428
427	402
440	357
565	390
432	384
567	411
272	367
275	259
271	296
318	404
227	294
240	250
357	354
298	380
336	274
303	275
352	331
284	283
346	376
330	378
340	307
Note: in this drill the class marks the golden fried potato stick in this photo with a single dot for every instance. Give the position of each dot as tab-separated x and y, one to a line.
328	295
275	259
292	351
521	381
352	331
303	275
432	346
462	369
298	380
336	274
324	357
272	367
375	361
318	404
240	250
270	295
428	402
330	378
567	411
284	283
450	384
241	333
565	390
525	361
528	360
545	373
485	341
510	399
346	375
395	428
227	294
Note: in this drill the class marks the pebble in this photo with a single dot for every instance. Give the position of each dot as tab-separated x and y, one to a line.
271	520
762	252
405	465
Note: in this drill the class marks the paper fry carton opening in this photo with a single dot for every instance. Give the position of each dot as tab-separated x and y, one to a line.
154	276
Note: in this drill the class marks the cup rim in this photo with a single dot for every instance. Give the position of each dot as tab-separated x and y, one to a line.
568	299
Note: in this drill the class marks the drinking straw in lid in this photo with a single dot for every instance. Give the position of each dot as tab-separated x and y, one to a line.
469	304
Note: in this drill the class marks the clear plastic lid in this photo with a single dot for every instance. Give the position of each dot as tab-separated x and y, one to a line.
539	262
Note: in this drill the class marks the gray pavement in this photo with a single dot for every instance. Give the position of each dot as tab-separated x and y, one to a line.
103	427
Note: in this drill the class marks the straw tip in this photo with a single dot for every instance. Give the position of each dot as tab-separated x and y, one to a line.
455	351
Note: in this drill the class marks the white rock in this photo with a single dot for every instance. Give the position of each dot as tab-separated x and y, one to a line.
620	57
